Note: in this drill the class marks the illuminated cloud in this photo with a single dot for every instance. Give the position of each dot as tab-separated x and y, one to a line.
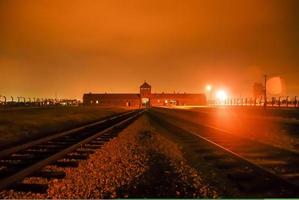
71	46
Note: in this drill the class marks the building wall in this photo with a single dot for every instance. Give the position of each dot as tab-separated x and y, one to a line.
145	92
120	102
110	100
134	100
178	99
155	100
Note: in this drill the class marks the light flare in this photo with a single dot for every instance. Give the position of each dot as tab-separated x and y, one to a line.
208	87
221	95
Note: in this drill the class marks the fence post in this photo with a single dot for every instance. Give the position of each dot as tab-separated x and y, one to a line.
279	101
4	99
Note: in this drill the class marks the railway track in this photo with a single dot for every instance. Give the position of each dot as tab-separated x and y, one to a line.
64	149
255	169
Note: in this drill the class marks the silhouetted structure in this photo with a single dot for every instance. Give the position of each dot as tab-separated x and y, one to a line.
145	98
258	90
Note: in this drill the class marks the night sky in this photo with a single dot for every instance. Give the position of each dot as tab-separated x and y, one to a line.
72	47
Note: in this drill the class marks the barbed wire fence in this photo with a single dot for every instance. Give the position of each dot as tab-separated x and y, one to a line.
281	101
11	101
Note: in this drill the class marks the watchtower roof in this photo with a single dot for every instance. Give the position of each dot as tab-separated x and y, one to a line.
145	85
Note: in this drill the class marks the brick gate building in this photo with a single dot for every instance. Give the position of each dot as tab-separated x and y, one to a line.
145	98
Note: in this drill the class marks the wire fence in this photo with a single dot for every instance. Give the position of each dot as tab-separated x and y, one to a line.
11	101
282	101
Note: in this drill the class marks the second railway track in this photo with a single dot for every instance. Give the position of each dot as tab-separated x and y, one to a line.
254	168
63	149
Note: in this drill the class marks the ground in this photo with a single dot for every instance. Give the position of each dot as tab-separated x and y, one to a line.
139	163
277	127
146	160
22	124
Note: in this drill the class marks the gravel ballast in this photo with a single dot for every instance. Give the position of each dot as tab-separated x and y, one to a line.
138	163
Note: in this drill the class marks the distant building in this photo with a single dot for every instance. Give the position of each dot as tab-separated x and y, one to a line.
145	98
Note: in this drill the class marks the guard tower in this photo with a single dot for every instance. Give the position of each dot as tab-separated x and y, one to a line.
145	94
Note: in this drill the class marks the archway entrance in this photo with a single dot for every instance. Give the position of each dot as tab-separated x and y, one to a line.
145	102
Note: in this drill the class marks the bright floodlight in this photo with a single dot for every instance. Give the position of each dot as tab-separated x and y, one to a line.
221	95
208	87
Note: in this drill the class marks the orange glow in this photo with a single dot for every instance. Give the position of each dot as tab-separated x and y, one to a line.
274	86
221	95
71	47
208	87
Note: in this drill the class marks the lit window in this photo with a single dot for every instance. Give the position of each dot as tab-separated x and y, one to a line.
97	101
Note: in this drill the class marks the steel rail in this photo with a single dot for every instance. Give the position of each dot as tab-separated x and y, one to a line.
14	149
20	175
245	160
227	132
234	154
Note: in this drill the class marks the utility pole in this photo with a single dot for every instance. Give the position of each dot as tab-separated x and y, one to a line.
265	92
